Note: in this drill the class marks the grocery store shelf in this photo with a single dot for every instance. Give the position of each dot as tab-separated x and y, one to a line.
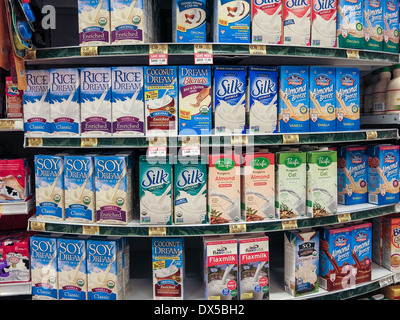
17	207
15	289
379	119
7	125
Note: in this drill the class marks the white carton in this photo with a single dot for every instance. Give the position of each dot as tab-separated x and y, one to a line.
296	19
266	21
323	23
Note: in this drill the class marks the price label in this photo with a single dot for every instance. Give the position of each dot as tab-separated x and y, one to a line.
203	53
247	295
371	135
387	281
345	217
237	228
214	298
256	49
290	138
93	230
7	125
38	226
158	54
239	140
30	55
191	146
353	54
89	51
35	142
157	231
157	147
289	224
89	142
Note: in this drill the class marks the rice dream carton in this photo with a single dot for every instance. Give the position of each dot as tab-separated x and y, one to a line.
391	26
296	19
189	21
266	21
373	24
350	19
323	23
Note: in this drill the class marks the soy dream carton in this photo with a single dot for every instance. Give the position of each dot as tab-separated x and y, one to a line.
391	26
189	21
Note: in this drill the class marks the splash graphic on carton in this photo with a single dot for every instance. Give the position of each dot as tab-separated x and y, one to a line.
266	21
189	21
362	251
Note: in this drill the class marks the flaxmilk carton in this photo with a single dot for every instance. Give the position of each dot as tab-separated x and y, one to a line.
350	29
296	17
65	101
189	20
294	101
347	99
37	102
266	19
373	24
323	23
229	99
127	101
96	101
263	100
391	26
195	105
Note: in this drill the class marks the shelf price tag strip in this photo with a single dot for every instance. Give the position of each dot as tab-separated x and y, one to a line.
239	140
157	147
89	142
92	230
158	54
387	281
35	142
157	231
257	49
89	51
7	125
290	138
345	217
38	226
237	228
371	135
289	224
353	54
191	146
203	53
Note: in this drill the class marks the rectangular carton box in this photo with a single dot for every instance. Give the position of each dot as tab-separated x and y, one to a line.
94	22
362	251
189	21
266	22
323	23
18	171
14	100
296	21
391	243
373	24
377	244
350	21
391	26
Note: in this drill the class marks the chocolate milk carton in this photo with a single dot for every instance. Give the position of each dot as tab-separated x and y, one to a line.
266	21
362	250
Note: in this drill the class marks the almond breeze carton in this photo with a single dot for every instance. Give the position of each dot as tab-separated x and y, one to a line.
373	24
362	250
391	26
189	21
350	19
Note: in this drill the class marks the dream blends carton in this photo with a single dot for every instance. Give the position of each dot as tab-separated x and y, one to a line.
301	262
189	20
127	101
113	183
362	250
43	261
290	184
161	100
352	175
190	190
94	22
391	26
266	21
373	24
391	243
49	187
65	101
224	188
322	99
296	19
323	23
220	268
254	279
71	268
96	101
347	99
321	183
383	174
36	102
258	187
350	21
156	191
263	100
195	109
229	99
168	268
231	21
294	113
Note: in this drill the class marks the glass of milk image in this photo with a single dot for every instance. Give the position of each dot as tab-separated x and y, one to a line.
266	21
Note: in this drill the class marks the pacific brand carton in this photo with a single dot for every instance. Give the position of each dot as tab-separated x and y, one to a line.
296	19
323	23
350	20
266	21
362	251
391	26
373	24
189	20
391	243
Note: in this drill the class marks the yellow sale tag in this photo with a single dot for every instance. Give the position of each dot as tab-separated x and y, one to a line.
89	142
159	264
345	217
290	138
89	51
289	224
35	142
93	230
237	228
157	231
7	125
38	226
258	49
371	135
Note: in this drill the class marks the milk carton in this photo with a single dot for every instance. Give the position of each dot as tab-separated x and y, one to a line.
189	21
266	19
263	100
96	101
322	99
168	268
190	190
94	22
296	17
224	188
290	184
294	99
350	20
44	267
71	269
36	102
231	21
352	175
347	99
373	24
49	187
229	99
301	262
65	101
195	109
362	250
80	201
390	243
391	26
155	191
127	101
161	100
383	174
257	187
323	23
254	278
113	183
220	268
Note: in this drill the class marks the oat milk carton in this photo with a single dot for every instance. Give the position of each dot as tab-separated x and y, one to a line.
294	113
373	24
229	99
224	188
71	269
189	21
43	261
322	99
323	23
347	99
350	29
221	268
195	108
254	278
263	100
391	26
36	102
168	268
127	101
391	243
155	191
49	187
301	262
96	101
65	101
266	21
94	22
362	250
296	17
